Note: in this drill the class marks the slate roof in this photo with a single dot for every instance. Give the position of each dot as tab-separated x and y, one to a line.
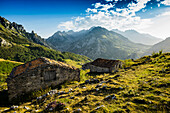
35	63
104	62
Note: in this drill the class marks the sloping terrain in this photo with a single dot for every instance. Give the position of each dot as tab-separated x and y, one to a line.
163	45
18	45
137	37
97	42
6	67
142	85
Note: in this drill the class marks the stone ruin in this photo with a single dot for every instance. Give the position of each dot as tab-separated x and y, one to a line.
39	74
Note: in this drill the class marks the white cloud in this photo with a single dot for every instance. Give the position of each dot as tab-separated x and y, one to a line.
109	0
97	5
120	18
91	10
159	27
159	5
166	2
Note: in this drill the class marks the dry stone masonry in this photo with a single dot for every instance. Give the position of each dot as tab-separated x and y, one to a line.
38	74
103	65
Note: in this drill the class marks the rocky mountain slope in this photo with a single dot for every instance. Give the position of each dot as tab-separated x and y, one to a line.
97	42
19	45
137	37
142	85
18	31
163	45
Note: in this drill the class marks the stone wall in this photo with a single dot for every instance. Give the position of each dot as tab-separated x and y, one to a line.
42	76
98	69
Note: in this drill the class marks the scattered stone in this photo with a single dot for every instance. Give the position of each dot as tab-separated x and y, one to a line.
107	97
99	107
13	107
99	85
109	81
97	89
87	81
120	88
61	92
79	110
55	105
110	97
103	82
72	97
70	89
26	108
50	109
104	87
113	97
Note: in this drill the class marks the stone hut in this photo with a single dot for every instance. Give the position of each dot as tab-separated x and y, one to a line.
37	74
103	65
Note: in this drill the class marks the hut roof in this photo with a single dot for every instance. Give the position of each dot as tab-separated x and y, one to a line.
104	62
35	63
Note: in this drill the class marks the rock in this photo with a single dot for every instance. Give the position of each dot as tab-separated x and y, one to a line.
50	109
79	110
97	89
113	97
87	81
94	81
4	43
120	88
110	97
104	87
70	89
72	97
99	107
103	82
99	85
13	107
26	108
107	97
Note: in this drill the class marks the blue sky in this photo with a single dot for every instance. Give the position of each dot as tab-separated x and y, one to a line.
48	16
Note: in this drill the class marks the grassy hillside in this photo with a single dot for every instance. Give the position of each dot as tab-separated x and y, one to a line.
6	67
18	45
142	85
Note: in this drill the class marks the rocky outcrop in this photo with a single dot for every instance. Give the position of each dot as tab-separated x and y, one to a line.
19	31
4	43
38	74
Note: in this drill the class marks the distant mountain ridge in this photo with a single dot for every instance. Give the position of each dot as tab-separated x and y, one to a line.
97	42
137	37
163	45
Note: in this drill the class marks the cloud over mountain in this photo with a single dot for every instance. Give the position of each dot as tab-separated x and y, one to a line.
109	15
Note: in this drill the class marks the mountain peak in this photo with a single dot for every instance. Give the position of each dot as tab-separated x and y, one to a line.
98	29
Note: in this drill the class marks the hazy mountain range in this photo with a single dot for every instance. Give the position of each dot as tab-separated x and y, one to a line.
163	45
97	42
137	37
